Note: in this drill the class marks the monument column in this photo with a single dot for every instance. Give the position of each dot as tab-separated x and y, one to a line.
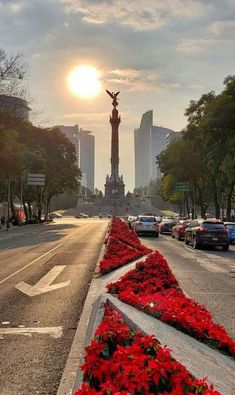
115	121
114	187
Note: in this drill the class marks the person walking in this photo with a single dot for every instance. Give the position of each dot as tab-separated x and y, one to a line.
3	220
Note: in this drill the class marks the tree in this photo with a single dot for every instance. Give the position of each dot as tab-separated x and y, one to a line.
13	71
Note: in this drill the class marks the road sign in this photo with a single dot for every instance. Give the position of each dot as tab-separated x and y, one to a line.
36	179
182	186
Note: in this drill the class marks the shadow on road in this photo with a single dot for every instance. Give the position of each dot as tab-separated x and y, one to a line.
28	235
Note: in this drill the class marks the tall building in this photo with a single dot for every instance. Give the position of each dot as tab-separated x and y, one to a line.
84	143
15	106
149	141
87	156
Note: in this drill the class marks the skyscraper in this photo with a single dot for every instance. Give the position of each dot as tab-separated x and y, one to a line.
149	141
84	143
87	156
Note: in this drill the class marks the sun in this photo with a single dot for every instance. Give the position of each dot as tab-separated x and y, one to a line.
83	81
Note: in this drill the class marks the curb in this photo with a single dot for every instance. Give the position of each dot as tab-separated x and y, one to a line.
68	380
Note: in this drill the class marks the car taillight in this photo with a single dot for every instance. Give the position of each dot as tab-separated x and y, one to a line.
202	229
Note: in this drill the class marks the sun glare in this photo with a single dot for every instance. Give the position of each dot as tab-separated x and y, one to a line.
83	81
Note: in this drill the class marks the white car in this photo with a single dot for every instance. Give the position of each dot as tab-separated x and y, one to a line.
146	224
55	215
81	215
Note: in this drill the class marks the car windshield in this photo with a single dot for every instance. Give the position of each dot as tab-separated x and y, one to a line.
213	225
147	219
230	226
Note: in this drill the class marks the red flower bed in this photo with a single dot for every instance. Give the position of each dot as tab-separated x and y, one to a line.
118	254
122	246
152	288
121	231
120	361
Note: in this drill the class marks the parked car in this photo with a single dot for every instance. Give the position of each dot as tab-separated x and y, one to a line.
146	224
165	227
178	230
231	231
55	215
105	215
207	233
81	215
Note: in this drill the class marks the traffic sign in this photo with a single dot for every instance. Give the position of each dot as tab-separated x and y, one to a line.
36	179
182	186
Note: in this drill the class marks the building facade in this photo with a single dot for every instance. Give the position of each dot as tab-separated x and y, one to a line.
15	106
84	143
149	141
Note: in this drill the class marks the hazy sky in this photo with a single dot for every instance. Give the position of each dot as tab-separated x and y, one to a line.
159	53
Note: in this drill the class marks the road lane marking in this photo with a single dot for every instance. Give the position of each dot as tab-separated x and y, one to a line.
54	331
29	264
43	285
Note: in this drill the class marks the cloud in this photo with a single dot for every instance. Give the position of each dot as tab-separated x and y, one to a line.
225	29
138	80
193	45
138	15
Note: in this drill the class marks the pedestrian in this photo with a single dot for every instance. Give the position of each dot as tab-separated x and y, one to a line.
3	220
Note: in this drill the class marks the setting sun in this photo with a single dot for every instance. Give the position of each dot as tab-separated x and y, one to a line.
83	81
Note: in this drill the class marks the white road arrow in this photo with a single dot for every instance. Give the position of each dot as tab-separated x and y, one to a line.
43	285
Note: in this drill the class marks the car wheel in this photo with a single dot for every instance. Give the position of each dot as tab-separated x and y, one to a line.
225	248
196	245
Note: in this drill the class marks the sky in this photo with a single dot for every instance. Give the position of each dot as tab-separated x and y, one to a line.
159	54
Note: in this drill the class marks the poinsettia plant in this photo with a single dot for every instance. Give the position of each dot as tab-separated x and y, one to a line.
120	361
152	288
122	247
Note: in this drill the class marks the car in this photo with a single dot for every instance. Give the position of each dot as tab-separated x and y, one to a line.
178	230
81	215
207	233
165	227
105	215
55	215
231	231
146	224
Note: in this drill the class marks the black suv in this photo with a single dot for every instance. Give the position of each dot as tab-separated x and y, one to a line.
207	232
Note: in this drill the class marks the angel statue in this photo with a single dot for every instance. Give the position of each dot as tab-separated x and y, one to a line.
114	97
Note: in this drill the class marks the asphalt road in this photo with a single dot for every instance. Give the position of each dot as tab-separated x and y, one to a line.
207	275
45	271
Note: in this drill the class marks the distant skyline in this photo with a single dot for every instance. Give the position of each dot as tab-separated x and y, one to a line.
159	54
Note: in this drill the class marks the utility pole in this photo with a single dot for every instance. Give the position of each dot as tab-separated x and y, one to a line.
8	203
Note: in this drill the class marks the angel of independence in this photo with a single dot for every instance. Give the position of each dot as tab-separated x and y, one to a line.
114	97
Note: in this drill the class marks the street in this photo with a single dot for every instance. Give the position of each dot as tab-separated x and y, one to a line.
206	275
44	279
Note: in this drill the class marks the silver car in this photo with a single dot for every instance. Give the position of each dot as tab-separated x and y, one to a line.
146	224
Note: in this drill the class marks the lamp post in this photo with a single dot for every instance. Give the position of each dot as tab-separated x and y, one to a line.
8	202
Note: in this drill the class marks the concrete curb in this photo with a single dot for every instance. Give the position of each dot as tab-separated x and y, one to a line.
74	361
